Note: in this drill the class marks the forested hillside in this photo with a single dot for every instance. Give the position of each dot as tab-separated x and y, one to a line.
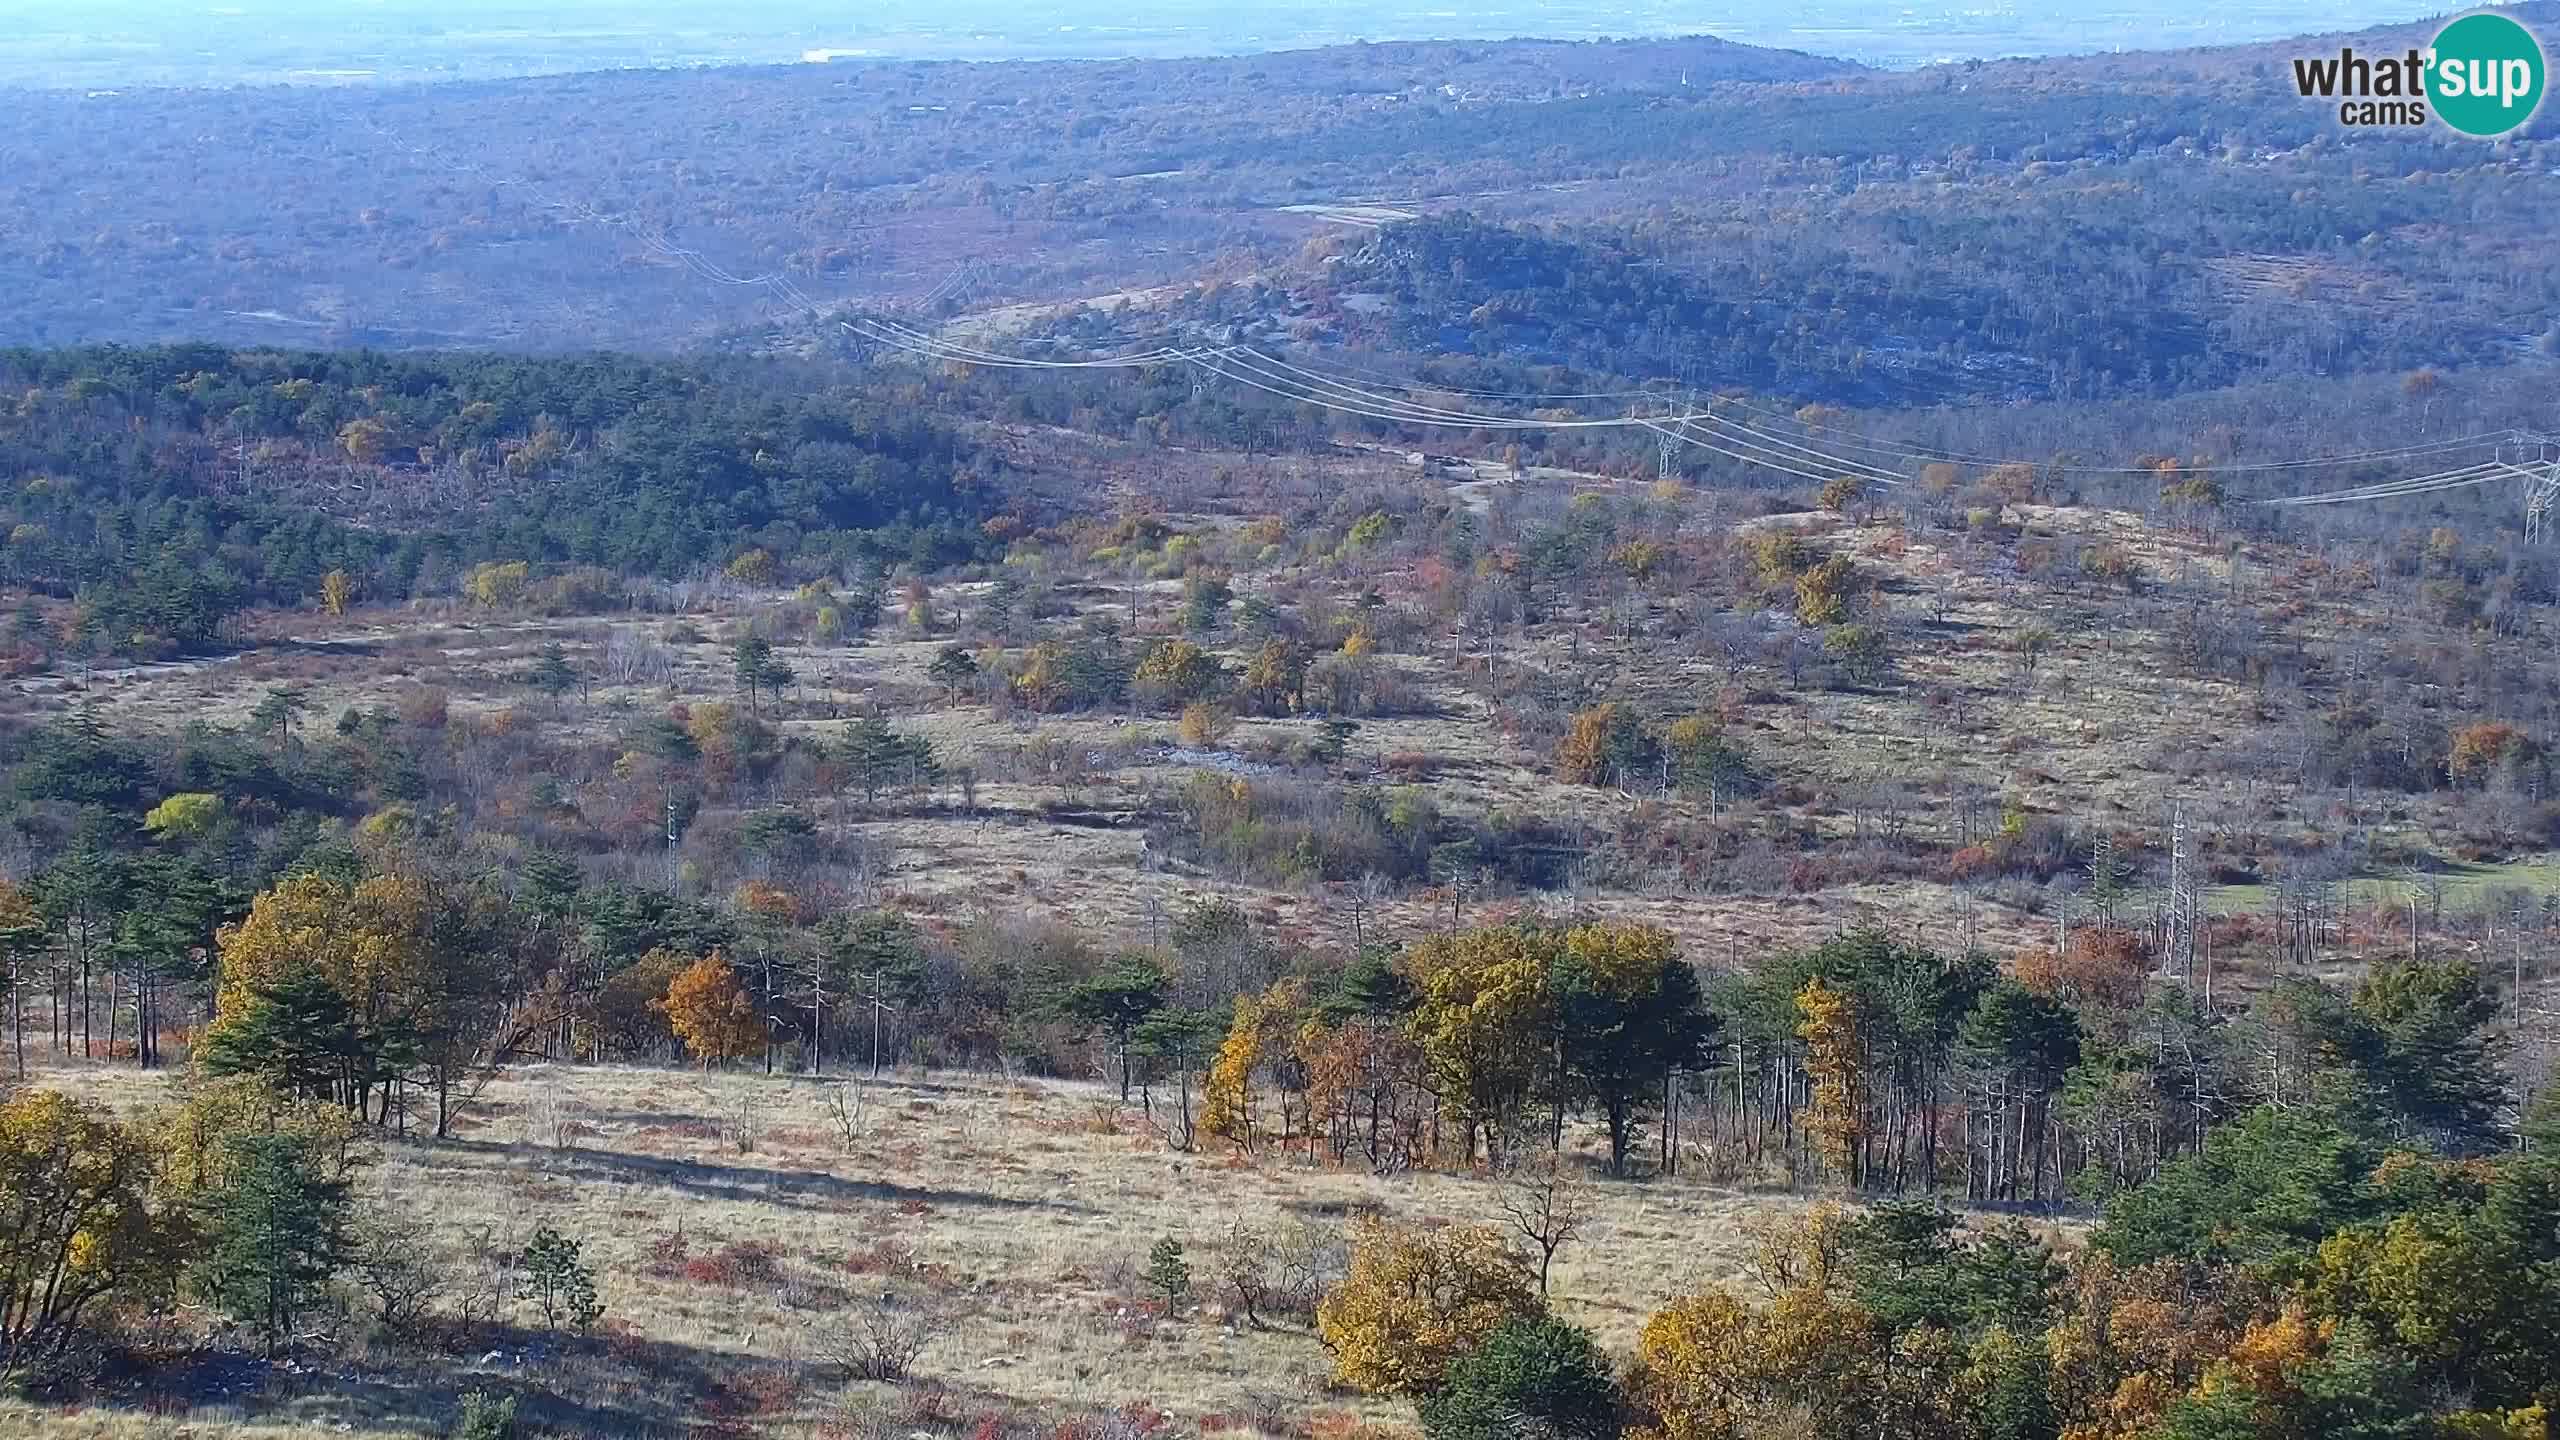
164	489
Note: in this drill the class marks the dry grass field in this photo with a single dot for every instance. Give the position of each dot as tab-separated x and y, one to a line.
731	1223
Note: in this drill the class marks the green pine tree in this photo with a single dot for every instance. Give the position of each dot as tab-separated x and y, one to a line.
1537	1376
557	1282
553	674
1168	1274
275	1236
297	1033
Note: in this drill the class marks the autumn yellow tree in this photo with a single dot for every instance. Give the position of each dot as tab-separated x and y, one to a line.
1822	593
1262	1034
1835	1058
418	960
1181	669
496	584
1778	556
1639	558
365	440
2478	751
191	1139
1709	1367
2132	1341
1482	1023
710	1012
1338	1059
753	567
1204	724
1608	744
367	940
1811	1362
1226	1108
2266	1365
75	1186
337	592
1042	680
187	815
1275	679
1415	1300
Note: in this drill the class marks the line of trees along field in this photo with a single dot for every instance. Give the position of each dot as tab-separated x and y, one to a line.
2324	1209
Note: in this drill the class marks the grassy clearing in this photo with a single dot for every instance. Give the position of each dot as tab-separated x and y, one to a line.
1029	1206
2466	884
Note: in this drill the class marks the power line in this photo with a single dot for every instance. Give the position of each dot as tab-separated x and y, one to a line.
1704	429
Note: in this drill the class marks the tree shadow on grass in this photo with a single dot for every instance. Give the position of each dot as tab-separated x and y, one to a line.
609	1386
717	1180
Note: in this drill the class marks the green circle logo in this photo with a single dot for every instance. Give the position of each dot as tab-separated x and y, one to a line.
2485	74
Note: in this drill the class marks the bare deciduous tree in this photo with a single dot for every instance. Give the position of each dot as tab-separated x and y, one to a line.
1544	1200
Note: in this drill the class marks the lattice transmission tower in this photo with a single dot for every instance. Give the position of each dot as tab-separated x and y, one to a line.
2536	459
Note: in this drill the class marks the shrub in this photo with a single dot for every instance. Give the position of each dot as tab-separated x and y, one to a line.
1414	1301
1536	1376
486	1417
1703	758
1822	593
879	1341
1605	745
75	1179
578	590
1779	557
1283	1271
2110	565
1862	652
554	1279
399	1278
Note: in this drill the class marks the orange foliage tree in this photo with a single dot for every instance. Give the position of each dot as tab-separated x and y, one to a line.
2479	750
710	1012
2106	966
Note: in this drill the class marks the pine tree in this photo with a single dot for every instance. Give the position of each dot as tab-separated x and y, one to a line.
553	674
1116	1002
553	1278
276	1234
1533	1376
299	1034
1168	1274
952	669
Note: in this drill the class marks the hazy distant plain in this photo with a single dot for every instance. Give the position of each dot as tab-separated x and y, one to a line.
101	44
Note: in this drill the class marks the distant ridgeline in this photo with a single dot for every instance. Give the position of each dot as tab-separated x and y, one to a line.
163	489
1956	313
